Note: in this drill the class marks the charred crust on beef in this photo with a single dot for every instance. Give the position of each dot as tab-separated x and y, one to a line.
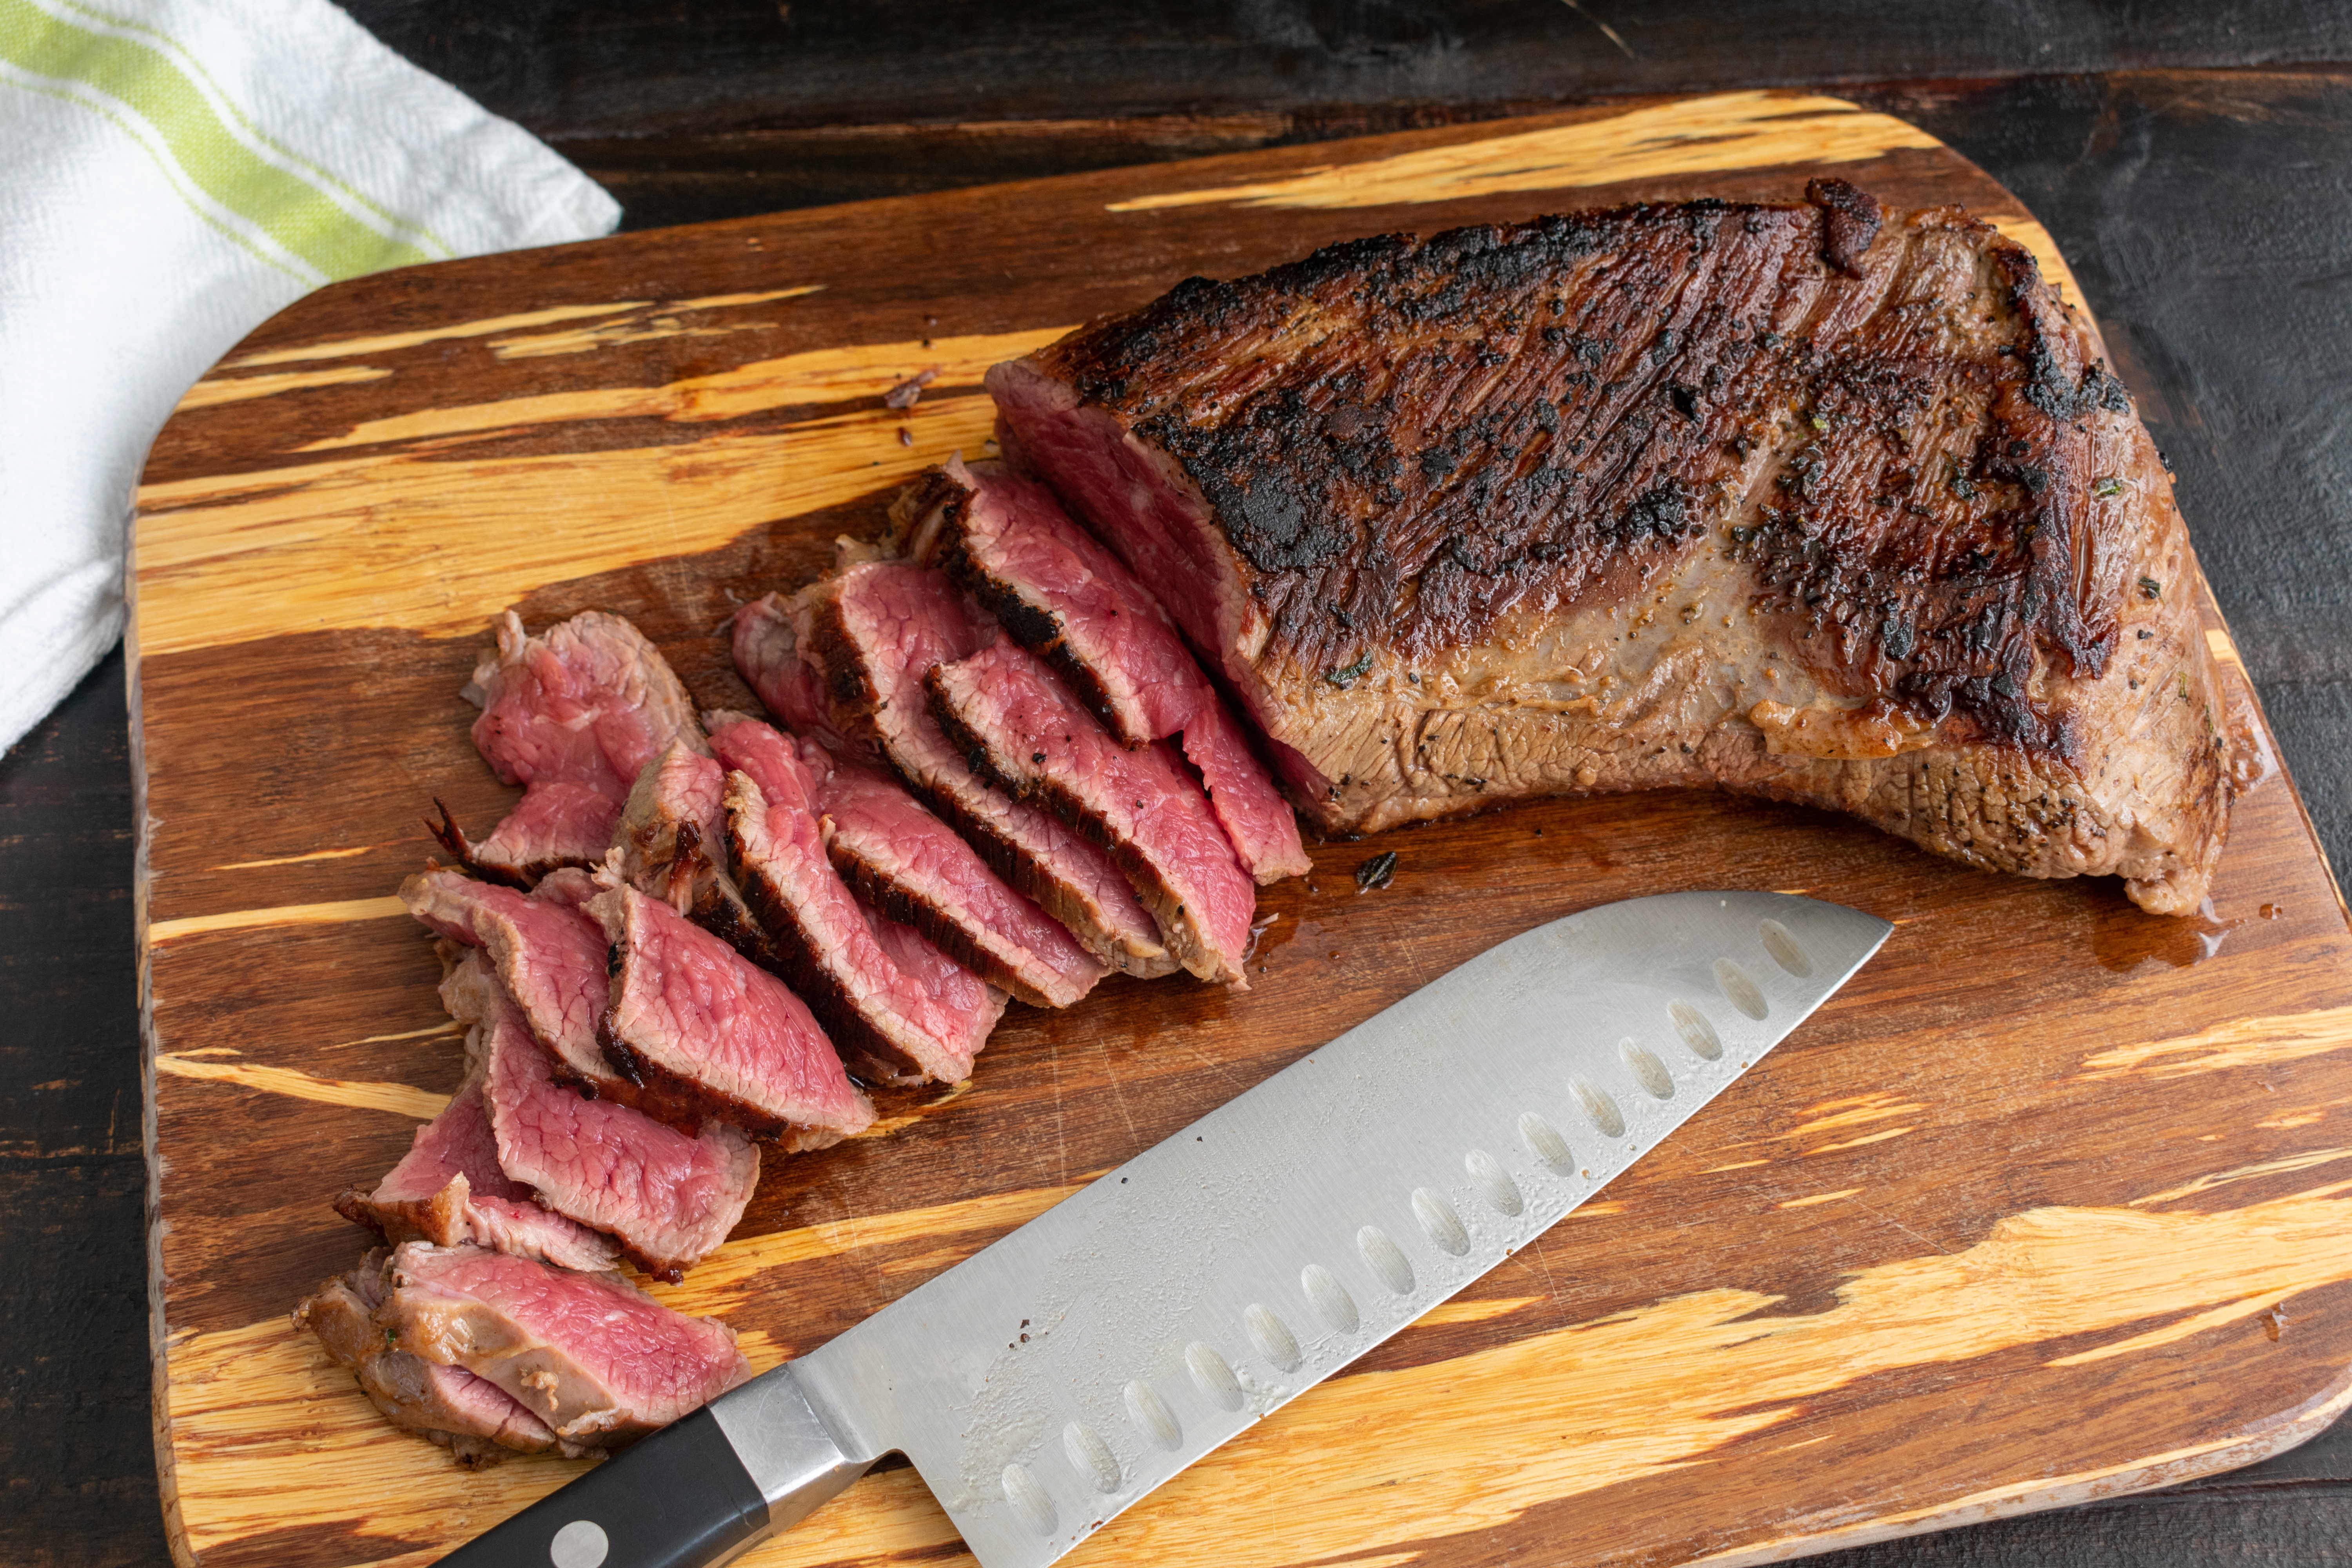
1038	630
623	1060
1850	221
1552	486
970	744
1044	789
893	900
835	654
866	1051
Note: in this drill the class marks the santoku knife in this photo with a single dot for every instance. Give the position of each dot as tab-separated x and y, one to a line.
1045	1384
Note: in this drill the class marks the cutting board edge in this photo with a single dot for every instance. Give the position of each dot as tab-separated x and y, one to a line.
2276	1434
2291	1431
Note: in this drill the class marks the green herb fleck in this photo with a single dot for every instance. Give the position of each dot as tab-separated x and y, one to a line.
2104	488
2149	588
1377	872
1351	674
1821	421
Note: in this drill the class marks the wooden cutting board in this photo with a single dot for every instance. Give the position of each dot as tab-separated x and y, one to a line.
2054	1201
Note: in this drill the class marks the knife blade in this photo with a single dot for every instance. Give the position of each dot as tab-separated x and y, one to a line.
1049	1381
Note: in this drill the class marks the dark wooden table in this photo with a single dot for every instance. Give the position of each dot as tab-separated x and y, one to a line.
2192	162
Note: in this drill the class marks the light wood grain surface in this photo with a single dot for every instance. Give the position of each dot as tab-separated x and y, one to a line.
2052	1202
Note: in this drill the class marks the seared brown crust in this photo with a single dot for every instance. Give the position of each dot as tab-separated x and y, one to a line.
452	837
1869	459
848	686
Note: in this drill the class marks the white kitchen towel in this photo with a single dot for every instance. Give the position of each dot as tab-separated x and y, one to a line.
172	172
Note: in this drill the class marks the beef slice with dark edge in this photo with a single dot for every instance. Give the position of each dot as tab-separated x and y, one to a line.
1065	598
1017	724
872	630
694	1020
668	1196
899	1022
896	854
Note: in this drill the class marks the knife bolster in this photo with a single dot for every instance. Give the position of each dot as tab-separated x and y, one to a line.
786	1448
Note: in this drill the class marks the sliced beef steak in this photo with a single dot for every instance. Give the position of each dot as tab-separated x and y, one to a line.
573	715
551	954
475	1419
594	1358
1798	500
1016	724
918	871
556	824
873	630
889	1023
1068	600
669	1197
450	1190
897	856
548	953
702	1025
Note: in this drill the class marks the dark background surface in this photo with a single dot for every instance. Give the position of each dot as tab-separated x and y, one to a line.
2191	161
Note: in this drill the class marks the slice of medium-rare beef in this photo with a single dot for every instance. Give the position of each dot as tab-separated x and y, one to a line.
1810	501
548	950
1019	725
917	870
1070	601
888	1023
478	1422
669	1197
551	956
596	1359
951	990
573	715
872	630
701	1026
887	845
913	869
668	850
450	1190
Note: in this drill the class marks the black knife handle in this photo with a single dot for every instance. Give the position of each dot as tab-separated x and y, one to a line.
680	1499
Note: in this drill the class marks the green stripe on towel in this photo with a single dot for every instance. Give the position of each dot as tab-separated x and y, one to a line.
291	211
